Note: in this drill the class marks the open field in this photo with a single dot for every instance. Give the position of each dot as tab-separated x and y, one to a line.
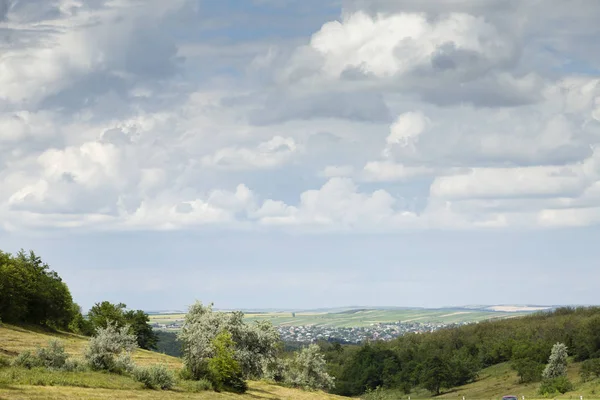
20	384
361	317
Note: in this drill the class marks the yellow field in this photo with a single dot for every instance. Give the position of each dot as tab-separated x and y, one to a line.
17	384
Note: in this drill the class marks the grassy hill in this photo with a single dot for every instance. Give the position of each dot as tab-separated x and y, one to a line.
18	383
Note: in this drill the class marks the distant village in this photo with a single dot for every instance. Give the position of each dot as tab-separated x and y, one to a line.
377	331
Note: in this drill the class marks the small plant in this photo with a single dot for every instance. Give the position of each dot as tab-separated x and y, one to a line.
155	376
202	385
74	365
590	369
4	362
53	356
110	350
26	360
561	385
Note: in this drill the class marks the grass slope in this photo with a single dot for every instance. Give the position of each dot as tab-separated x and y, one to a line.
19	383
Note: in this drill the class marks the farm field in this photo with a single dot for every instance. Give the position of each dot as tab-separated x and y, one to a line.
360	317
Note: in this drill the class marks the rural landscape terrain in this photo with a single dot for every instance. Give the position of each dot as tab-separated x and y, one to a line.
50	348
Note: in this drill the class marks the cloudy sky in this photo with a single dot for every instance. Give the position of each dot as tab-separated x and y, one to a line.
304	153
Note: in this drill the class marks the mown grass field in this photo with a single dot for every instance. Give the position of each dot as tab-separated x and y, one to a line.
360	318
20	383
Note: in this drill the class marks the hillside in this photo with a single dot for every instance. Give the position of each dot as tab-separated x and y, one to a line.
354	318
16	383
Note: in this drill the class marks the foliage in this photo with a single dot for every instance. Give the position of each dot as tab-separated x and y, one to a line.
307	370
111	348
167	343
140	327
53	356
254	345
32	293
551	386
154	377
25	359
223	369
557	363
101	314
451	357
528	370
371	367
4	362
201	385
79	324
590	369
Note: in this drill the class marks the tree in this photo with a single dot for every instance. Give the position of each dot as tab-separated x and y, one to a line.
557	363
101	314
32	293
436	374
223	369
308	370
140	327
255	344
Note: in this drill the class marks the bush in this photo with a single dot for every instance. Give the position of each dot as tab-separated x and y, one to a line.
4	362
53	356
308	370
26	360
223	369
201	385
561	385
155	376
590	369
74	365
528	370
110	350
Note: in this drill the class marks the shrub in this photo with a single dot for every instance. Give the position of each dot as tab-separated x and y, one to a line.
223	369
26	360
4	362
74	365
561	385
155	376
590	369
528	370
201	385
53	356
110	350
307	370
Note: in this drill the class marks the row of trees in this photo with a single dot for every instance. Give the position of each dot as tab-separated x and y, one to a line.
221	348
452	357
32	293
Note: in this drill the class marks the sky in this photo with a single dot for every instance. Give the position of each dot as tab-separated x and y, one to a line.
304	153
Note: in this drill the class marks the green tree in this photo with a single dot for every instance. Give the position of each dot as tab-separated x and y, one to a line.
101	314
223	369
140	327
436	374
32	293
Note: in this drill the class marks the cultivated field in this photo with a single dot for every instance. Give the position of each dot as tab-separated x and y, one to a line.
361	317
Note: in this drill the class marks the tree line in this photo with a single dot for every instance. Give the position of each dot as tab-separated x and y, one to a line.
32	293
452	357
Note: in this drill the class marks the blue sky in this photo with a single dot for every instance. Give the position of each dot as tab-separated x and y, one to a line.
302	154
